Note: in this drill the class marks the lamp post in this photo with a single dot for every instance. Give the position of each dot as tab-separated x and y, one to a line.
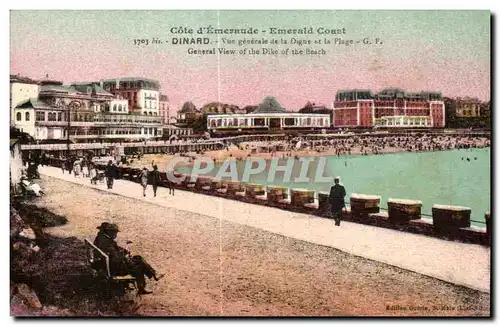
72	105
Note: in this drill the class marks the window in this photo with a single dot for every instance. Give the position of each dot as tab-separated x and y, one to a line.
18	116
114	107
40	116
120	108
59	116
27	116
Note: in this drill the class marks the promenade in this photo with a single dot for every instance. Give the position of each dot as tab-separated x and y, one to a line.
454	262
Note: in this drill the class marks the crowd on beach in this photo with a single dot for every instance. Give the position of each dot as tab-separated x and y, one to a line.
372	145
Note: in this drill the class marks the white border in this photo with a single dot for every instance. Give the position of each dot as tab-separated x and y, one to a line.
256	4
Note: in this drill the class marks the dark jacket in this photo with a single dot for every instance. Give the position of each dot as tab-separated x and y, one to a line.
117	255
336	198
154	177
110	171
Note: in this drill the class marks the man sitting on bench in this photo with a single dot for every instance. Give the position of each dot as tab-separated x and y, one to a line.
120	260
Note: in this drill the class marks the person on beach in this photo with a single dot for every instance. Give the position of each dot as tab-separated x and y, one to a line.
155	178
143	178
337	201
120	259
110	174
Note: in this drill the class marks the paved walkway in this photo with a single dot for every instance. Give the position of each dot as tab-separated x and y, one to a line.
458	263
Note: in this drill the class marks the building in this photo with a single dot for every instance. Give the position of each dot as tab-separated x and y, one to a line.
164	109
468	107
142	94
269	116
94	114
174	132
188	114
21	89
390	108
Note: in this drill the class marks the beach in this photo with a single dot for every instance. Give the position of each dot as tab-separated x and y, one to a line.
349	146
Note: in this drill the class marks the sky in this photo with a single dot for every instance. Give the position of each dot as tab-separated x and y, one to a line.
445	51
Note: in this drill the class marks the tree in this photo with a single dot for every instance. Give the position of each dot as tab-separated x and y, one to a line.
250	108
200	124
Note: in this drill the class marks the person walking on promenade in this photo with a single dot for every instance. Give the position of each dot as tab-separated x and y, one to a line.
110	174
77	168
85	168
92	174
170	184
120	259
155	178
336	199
143	178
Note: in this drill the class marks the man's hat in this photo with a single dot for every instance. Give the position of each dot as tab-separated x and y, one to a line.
105	226
337	178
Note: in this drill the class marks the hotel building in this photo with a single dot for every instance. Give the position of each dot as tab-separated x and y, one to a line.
143	94
269	116
21	89
94	113
390	108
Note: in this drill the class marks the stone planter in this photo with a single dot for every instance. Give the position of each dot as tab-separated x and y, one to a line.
404	210
450	217
323	203
252	190
187	181
203	183
233	187
362	205
276	193
299	197
216	184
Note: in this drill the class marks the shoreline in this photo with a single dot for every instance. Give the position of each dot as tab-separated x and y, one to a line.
162	160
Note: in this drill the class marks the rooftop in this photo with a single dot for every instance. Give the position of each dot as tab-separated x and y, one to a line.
33	103
22	79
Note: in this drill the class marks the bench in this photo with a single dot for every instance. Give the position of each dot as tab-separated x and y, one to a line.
99	261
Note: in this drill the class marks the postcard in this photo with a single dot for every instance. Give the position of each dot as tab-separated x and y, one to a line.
250	163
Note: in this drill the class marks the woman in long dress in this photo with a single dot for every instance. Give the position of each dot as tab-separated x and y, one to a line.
77	168
143	177
85	169
93	174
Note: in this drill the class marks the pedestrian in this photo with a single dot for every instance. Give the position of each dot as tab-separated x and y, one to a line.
337	201
85	169
77	168
93	174
170	183
110	174
143	179
155	178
